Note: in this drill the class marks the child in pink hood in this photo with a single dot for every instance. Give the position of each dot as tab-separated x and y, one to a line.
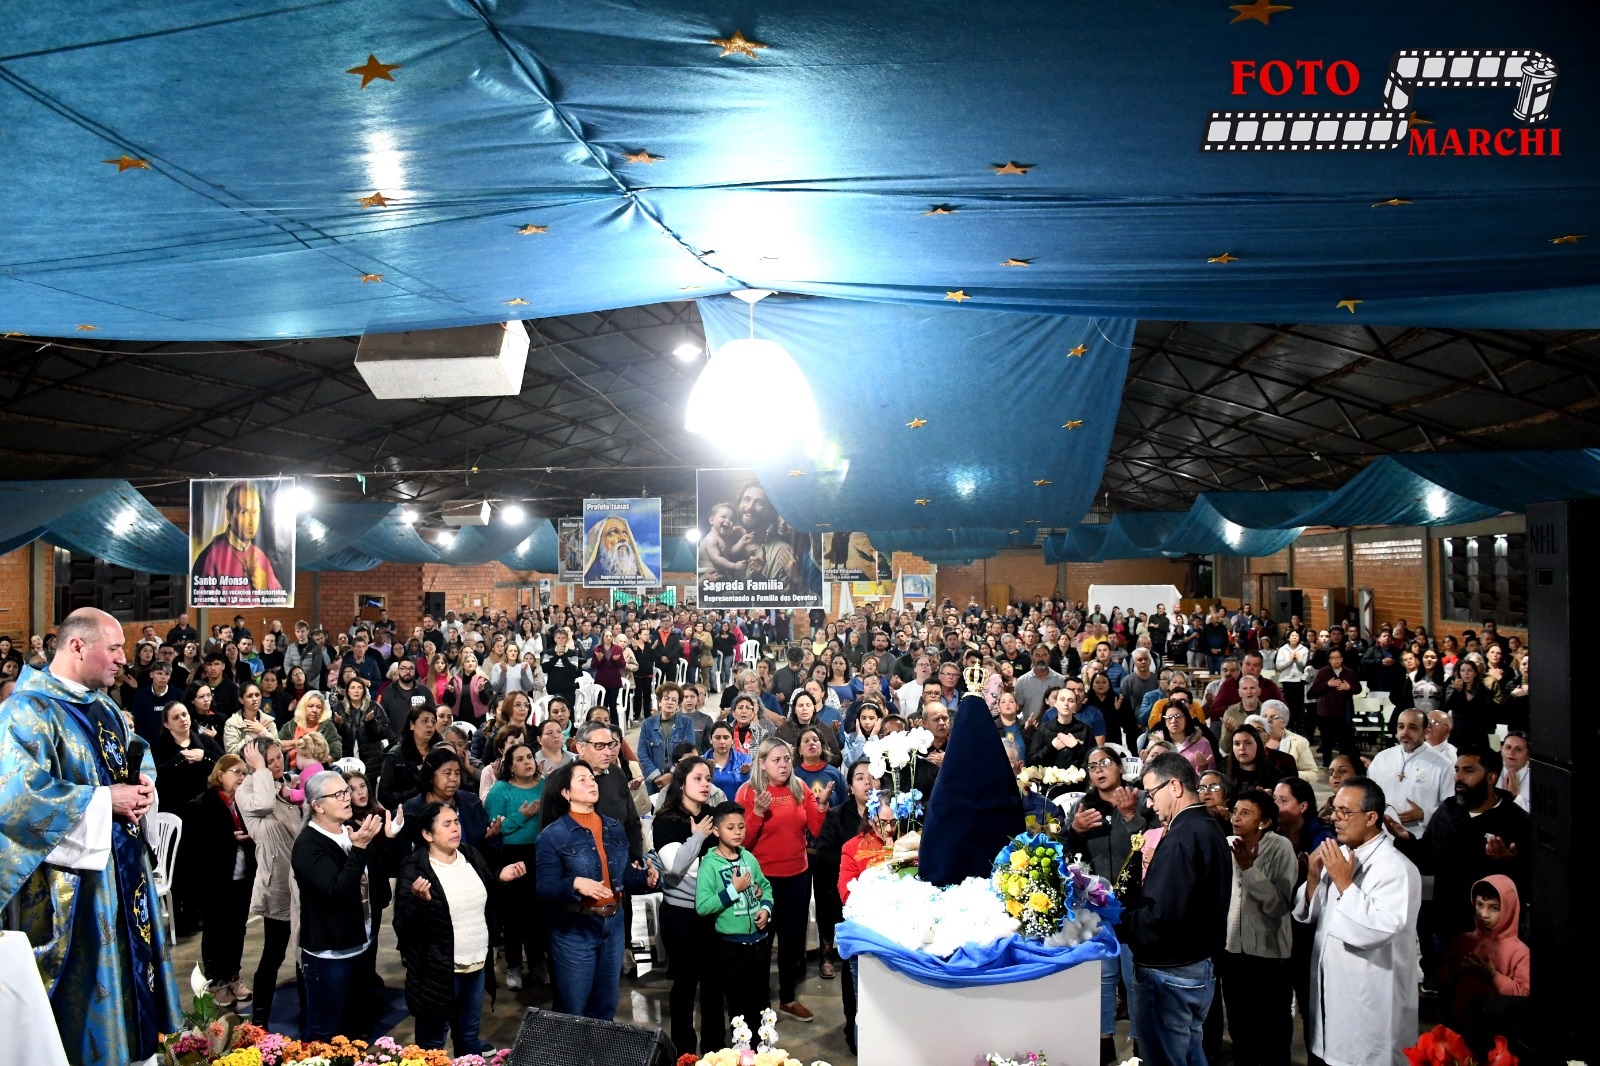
1490	960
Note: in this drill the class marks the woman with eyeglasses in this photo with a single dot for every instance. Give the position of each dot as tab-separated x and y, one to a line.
1101	828
1187	737
330	864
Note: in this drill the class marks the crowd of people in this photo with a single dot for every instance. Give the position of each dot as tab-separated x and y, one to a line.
474	778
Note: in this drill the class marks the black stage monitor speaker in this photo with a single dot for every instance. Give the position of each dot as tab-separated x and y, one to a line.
550	1039
1291	602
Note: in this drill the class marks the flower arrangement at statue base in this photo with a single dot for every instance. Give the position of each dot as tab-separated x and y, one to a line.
742	1054
210	1037
1036	914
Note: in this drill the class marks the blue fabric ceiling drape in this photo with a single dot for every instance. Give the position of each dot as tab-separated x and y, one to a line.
578	157
907	398
106	519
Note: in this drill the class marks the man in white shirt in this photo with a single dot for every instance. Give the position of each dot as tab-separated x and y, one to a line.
1414	777
909	695
1363	896
1436	736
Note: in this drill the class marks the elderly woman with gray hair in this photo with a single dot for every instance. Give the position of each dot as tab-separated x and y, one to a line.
330	866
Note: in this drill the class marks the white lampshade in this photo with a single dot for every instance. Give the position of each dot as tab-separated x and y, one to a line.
751	383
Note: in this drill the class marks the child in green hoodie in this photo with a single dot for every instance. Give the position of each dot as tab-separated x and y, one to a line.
731	887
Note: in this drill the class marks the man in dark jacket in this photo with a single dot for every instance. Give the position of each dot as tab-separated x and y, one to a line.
1063	741
1480	832
1177	921
664	648
597	745
402	694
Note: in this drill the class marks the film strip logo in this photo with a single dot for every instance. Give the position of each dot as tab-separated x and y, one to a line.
1533	74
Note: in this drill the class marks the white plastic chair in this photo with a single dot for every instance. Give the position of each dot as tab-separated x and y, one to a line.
539	710
625	701
167	831
749	652
683	671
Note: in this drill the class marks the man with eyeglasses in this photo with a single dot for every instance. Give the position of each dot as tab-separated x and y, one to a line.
1175	923
598	748
1363	897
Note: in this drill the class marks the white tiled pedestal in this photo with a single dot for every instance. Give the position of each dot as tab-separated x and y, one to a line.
899	1020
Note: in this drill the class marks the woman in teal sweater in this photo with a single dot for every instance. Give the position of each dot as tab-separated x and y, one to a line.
516	797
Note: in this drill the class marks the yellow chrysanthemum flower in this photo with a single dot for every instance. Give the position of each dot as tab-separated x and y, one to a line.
1014	908
1039	902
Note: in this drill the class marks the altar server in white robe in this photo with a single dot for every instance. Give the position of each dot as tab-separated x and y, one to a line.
1415	779
1363	896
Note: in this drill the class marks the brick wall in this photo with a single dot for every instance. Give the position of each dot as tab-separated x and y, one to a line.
1019	573
1319	566
14	594
1124	572
1392	569
1269	564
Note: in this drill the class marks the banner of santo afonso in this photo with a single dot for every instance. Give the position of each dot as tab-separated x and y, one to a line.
622	543
747	555
241	542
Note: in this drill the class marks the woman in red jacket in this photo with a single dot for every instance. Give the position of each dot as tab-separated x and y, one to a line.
780	812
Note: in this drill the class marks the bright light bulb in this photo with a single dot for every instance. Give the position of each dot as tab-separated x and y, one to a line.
316	530
124	522
756	382
444	538
408	516
1233	533
686	351
298	499
1438	503
513	514
692	534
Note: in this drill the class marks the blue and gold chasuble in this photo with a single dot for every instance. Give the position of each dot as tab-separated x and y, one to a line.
100	947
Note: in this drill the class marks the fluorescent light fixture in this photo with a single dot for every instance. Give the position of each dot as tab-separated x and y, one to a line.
692	534
513	514
444	538
686	351
408	516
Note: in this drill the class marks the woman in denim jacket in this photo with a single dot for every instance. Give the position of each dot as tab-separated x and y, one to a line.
582	883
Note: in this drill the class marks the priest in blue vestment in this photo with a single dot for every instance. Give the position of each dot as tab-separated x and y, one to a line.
75	874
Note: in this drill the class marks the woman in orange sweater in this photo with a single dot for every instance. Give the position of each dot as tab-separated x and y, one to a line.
780	811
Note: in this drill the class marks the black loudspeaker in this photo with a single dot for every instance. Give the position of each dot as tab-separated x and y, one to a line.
550	1039
1291	602
1562	584
1563	580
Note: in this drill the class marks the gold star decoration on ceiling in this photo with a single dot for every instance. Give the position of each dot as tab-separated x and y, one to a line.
940	209
1258	10
642	156
738	44
1225	257
689	288
1041	482
957	296
365	278
530	228
1033	521
377	199
1017	262
824	525
516	301
922	501
1571	238
1349	305
1395	202
372	70
1077	353
13	333
127	162
1013	167
1073	424
86	328
917	423
797	473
